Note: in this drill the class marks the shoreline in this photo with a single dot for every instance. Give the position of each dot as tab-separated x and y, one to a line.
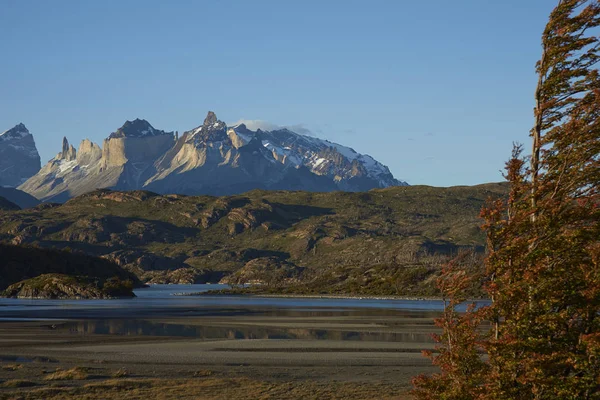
324	296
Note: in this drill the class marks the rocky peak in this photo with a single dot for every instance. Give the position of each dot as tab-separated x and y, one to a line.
88	153
137	128
210	119
68	152
211	130
19	158
240	135
17	132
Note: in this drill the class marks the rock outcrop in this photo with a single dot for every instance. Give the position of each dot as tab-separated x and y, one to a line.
19	158
270	271
60	286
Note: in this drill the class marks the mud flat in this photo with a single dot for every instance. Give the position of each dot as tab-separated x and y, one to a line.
233	353
272	357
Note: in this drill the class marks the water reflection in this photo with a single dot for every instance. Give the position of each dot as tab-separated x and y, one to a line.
160	302
152	328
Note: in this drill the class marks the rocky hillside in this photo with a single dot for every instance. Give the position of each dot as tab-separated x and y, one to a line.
19	158
399	235
209	159
61	286
27	271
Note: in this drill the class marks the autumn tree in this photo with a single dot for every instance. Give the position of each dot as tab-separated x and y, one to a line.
542	337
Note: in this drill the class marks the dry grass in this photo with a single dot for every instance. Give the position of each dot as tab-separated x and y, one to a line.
17	383
73	374
203	373
12	367
120	373
214	388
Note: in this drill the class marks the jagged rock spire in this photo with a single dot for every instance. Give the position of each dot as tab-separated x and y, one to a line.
210	119
68	152
65	146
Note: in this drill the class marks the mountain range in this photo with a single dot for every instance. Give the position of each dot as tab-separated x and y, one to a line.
210	159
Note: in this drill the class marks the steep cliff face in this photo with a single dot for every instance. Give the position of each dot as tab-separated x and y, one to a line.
125	162
89	153
209	159
19	158
132	150
65	175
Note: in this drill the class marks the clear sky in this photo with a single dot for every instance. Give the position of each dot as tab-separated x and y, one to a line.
437	90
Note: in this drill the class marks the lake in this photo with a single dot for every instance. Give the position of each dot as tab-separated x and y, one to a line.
171	300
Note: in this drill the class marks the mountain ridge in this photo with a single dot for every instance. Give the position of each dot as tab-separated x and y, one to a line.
210	159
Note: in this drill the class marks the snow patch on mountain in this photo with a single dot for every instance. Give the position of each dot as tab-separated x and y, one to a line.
15	133
65	166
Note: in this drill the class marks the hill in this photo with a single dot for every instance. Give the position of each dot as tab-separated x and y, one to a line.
18	197
27	271
338	237
6	205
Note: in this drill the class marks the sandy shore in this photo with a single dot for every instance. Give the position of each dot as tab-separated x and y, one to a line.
309	352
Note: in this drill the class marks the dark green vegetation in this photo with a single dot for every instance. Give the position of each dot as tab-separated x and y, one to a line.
383	242
31	272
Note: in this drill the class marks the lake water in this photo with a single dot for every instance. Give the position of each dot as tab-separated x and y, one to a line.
161	310
158	299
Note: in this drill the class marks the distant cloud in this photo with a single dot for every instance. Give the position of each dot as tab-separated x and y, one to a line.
254	124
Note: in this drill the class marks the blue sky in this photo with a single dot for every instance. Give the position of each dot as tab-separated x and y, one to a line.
437	90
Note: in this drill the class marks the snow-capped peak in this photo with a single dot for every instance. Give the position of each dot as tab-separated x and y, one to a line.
17	132
211	130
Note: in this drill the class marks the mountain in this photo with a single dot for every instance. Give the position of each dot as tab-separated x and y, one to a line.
209	159
6	205
19	158
215	159
385	241
124	162
18	197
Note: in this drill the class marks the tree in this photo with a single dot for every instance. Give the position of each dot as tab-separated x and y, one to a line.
543	264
